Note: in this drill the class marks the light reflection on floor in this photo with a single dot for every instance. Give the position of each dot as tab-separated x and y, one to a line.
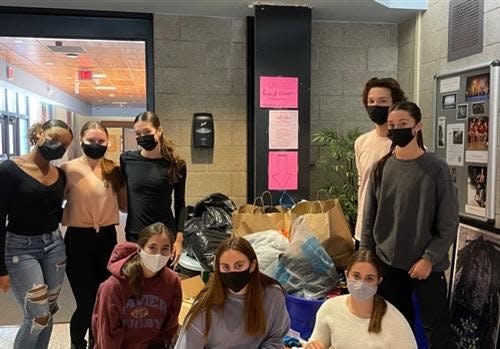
58	340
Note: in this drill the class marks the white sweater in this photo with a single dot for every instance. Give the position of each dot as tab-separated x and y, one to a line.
368	149
337	328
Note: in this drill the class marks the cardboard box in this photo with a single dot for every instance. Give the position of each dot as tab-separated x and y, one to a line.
190	289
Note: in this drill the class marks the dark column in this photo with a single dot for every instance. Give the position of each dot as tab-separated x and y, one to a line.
281	47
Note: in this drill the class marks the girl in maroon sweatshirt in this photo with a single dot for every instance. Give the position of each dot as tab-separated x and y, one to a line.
137	307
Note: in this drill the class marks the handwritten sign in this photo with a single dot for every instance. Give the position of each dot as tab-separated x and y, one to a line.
283	129
279	92
283	170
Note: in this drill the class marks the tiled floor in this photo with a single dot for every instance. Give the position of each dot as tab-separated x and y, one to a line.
58	340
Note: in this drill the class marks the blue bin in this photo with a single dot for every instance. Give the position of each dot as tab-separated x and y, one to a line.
302	314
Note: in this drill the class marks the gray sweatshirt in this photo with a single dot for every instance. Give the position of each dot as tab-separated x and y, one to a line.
227	330
412	214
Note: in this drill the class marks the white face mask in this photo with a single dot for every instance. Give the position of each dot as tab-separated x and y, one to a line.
360	289
153	262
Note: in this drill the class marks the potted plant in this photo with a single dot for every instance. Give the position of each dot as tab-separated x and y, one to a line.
338	168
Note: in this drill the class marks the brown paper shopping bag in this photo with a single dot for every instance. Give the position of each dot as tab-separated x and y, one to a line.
326	219
250	219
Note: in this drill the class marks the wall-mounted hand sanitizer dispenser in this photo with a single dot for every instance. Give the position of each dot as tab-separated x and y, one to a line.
203	130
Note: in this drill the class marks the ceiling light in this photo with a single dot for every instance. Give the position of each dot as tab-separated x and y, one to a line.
119	102
105	88
49	63
72	55
111	95
99	76
18	41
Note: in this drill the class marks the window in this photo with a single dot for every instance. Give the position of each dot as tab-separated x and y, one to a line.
12	148
11	101
24	146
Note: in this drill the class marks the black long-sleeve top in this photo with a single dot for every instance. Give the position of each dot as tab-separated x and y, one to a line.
150	190
30	207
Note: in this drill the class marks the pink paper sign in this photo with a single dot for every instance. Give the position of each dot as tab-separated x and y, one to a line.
279	92
283	170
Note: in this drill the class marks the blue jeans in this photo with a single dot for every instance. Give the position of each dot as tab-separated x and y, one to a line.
36	266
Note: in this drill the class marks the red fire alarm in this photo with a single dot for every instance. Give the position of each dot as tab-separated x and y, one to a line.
10	73
85	74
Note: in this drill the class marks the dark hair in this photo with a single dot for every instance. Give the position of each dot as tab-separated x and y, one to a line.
379	304
397	94
110	171
479	258
37	127
132	269
166	146
416	114
214	293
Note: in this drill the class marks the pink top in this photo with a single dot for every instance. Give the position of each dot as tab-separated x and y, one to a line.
91	201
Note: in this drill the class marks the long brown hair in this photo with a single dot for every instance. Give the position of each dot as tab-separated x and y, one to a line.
379	303
133	269
397	93
166	146
38	127
414	111
110	171
213	295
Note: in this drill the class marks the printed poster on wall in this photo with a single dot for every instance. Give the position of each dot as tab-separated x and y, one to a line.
279	92
455	144
476	190
283	129
283	170
441	131
450	84
477	139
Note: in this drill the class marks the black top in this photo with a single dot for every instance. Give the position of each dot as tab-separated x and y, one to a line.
150	194
31	207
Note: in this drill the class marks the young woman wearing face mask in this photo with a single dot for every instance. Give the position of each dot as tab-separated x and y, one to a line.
152	175
32	254
94	186
361	319
138	306
239	308
378	96
411	220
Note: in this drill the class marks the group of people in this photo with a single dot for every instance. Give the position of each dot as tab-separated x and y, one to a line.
33	253
407	221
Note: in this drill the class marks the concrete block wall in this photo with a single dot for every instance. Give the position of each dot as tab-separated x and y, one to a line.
406	56
434	50
200	66
344	56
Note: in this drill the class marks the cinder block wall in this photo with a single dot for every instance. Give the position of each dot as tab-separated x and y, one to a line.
344	57
434	50
200	66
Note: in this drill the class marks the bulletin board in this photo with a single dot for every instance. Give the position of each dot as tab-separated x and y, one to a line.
465	134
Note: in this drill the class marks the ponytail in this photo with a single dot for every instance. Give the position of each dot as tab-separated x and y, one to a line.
379	310
111	174
168	152
379	166
133	270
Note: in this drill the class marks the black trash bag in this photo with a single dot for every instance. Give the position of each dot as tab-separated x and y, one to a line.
209	225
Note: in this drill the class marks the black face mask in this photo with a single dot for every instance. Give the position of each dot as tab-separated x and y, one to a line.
94	150
378	114
51	150
401	136
148	142
235	280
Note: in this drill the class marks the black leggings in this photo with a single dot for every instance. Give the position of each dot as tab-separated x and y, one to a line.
397	288
87	252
